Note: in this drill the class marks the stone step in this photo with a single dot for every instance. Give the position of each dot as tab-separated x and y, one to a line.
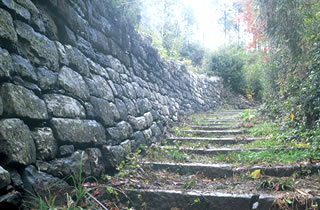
208	170
222	120
226	110
223	115
213	151
213	132
220	140
200	123
229	170
183	199
202	127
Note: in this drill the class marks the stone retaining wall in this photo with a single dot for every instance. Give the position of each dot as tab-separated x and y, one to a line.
79	86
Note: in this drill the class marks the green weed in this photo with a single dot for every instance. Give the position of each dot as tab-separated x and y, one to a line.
268	156
276	184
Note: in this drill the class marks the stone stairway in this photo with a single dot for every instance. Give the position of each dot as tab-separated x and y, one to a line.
182	174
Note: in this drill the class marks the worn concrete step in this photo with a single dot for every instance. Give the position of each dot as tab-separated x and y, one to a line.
212	151
200	123
220	140
208	170
284	170
222	120
212	132
222	115
203	127
229	170
229	111
182	199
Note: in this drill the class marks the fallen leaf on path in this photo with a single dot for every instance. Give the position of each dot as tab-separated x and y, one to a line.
256	174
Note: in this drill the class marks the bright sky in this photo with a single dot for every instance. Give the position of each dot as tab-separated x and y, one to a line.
210	32
206	12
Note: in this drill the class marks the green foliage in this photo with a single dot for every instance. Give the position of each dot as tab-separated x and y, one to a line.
74	202
276	184
268	156
241	70
228	63
248	115
177	155
130	166
193	51
129	9
43	203
294	77
265	129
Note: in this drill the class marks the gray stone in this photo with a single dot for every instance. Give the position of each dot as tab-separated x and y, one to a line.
96	162
39	45
118	89
12	199
45	185
64	106
132	109
65	150
138	123
78	131
139	138
97	69
46	144
77	60
125	130
147	135
185	199
63	58
99	87
112	155
23	68
102	111
114	76
24	83
30	6
114	63
155	130
124	78
18	10
122	109
155	115
144	105
114	134
1	106
4	178
7	31
47	79
265	202
16	179
113	88
69	36
129	91
209	170
98	40
149	118
127	146
6	66
89	162
16	143
85	47
139	90
89	110
22	102
73	83
115	111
